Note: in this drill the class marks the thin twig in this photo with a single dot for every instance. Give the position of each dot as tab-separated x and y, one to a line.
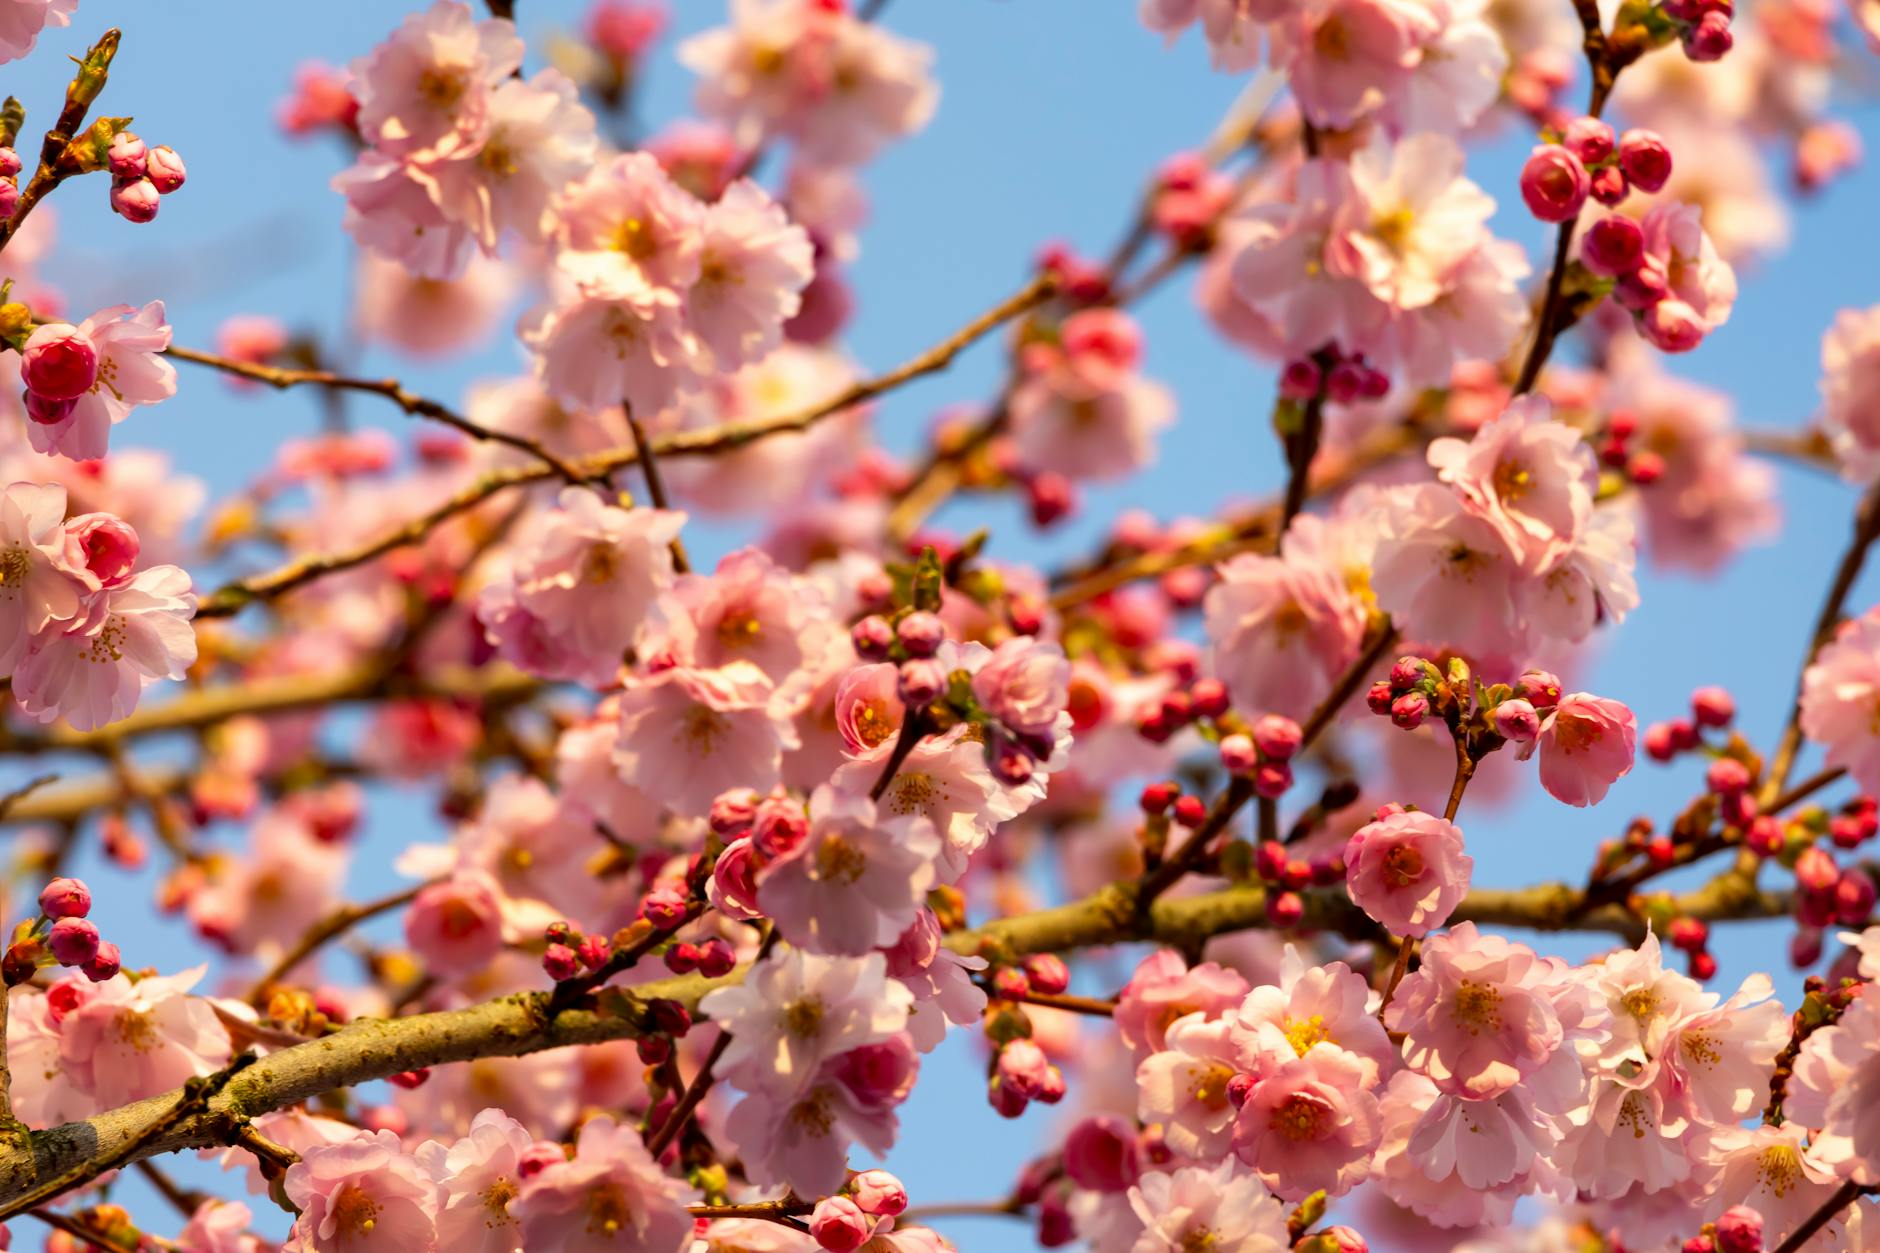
655	485
1844	1196
328	929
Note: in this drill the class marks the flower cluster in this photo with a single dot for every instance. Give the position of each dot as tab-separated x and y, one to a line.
83	380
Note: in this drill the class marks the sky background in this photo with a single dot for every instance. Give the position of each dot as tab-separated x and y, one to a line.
1051	114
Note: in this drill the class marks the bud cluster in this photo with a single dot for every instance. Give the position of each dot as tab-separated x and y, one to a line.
61	935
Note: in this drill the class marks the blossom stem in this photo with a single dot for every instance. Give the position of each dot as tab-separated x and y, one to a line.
93	71
1866	532
328	929
1093	1006
1401	967
1844	1196
771	1211
655	485
1301	447
963	1209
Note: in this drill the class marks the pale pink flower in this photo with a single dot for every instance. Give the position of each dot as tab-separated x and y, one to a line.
1840	701
264	900
1850	387
291	1128
1644	1000
218	1227
1184	1087
532	851
433	317
94	672
802	1140
1232	27
1622	1140
796	1010
1346	57
1408	871
1480	315
1313	1008
944	786
362	1193
1163	989
538	1090
1088	423
854	884
478	1176
1458	75
425	91
1701	286
1586	744
1283	271
1444	574
1476	1015
610	1195
686	735
1412	219
868	710
839	87
940	980
613	339
390	210
537	137
132	371
630	222
1530	476
580	583
46	581
1774	1172
44	1095
1716	1062
1025	684
456	926
1483	1144
753	265
750	610
1442	1199
1222	1209
1835	1089
1591	583
127	1040
22	20
1309	1124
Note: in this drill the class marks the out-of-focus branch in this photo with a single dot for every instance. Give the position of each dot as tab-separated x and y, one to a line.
328	929
702	443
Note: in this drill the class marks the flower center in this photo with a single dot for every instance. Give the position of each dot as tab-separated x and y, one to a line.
1303	1033
739	629
812	1116
1512	480
1477	1007
441	87
1331	40
1779	1169
803	1019
635	238
1300	1117
608	1210
1403	866
872	725
1208	1084
839	861
354	1213
700	727
496	1199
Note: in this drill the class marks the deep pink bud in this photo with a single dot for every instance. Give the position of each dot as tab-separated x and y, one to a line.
59	362
1407	672
594	951
920	682
9	197
560	962
682	958
1006	1100
1805	947
1589	139
1301	379
664	907
1157	797
1022	1065
1101	1154
1659	745
45	411
878	1193
1712	707
73	941
653	1049
1189	811
1053	1088
1698	1244
135	199
1764	837
1345	383
409	1079
1516	720
65	898
1609	186
1710	39
839	1225
1378	698
1643	288
1646	159
1278	737
1048	973
1540	688
1689	934
1554	183
1727	777
164	168
1740	1230
732	812
1269	860
1051	496
1815	870
1703	966
1342	1240
716	958
1009	983
126	157
9	163
1239	1088
1056	1227
1409	710
104	964
1238	755
780	829
1011	762
1285	909
1613	246
1271	779
1207	698
921	633
1853	897
670	1018
1684	734
872	637
109	546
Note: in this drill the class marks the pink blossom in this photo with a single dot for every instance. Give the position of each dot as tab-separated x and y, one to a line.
1850	387
1223	1209
946	786
1529	475
1025	684
1717	1061
456	926
131	371
1840	698
611	1188
1833	1089
1309	1124
613	338
1441	1198
686	735
1313	1008
46	582
1408	871
1412	218
537	137
868	710
1163	989
1586	745
940	980
796	1010
749	610
390	210
1184	1087
839	87
433	317
854	884
218	1227
266	900
1346	57
127	1041
1701	286
530	849
1775	1172
478	1176
425	91
1476	1017
1232	27
753	267
632	223
582	580
93	672
363	1193
1459	75
1084	411
22	20
802	1140
1444	573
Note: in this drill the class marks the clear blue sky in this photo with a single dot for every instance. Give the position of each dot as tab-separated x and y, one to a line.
1052	112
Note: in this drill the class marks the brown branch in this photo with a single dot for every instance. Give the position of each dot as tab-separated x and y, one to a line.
328	929
1093	1006
655	485
727	437
690	1099
93	72
1844	1196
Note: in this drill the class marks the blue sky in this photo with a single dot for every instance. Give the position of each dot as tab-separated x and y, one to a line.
1052	112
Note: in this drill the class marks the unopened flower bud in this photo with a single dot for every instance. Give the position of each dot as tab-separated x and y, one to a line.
10	165
1238	754
1278	737
126	156
1345	383
65	898
839	1225
1609	186
1816	871
1540	688
1710	39
1853	897
1554	184
1589	139
1727	777
1740	1230
1271	779
878	1193
104	964
1157	797
1712	707
716	958
164	168
1101	1154
73	941
664	907
1301	379
1285	909
1048	973
920	682
1207	698
921	633
135	199
560	962
682	958
1517	721
1645	158
1409	710
872	637
59	362
1613	246
1189	811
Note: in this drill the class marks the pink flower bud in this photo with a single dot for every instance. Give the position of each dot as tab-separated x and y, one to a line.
1554	183
920	682
1645	159
1378	697
1805	947
1051	496
1643	287
1009	983
59	362
135	199
1207	698
1409	710
1157	797
1345	383
10	164
164	168
664	907
1517	721
1589	139
1006	1100
126	157
1301	379
1740	1230
409	1079
9	197
921	633
878	1193
1342	1240
1712	707
1238	755
1010	762
780	829
1673	326
1271	779
839	1224
1609	186
1022	1066
108	546
1613	246
716	958
1703	966
1815	870
560	962
1284	910
1101	1154
1853	897
105	964
682	958
1698	1244
872	637
1710	39
538	1157
1048	973
73	941
1727	777
65	898
1407	672
1278	737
